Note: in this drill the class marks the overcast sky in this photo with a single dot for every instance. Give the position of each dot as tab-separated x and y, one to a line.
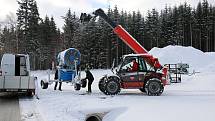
58	8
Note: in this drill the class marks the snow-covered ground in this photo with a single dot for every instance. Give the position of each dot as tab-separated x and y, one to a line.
193	99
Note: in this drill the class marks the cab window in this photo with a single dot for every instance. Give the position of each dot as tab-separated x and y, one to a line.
142	64
127	64
149	67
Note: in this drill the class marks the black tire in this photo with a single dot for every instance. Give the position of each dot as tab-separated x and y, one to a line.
142	89
185	70
102	84
33	91
30	93
112	86
77	87
154	87
83	83
44	85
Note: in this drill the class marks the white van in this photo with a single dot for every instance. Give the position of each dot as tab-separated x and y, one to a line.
15	74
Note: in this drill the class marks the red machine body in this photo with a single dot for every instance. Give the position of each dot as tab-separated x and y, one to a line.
148	81
135	46
138	49
131	42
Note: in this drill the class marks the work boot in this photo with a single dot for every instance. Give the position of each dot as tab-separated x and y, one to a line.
55	86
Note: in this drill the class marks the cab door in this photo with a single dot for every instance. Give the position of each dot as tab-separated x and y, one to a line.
142	70
130	79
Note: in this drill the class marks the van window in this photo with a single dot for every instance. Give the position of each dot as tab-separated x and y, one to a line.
22	61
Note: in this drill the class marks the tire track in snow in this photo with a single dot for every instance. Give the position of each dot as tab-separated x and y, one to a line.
29	110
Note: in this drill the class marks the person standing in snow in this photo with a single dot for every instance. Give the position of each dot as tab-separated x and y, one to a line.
56	83
36	88
90	78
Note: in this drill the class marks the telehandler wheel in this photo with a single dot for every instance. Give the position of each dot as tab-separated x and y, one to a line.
77	87
102	85
154	87
44	85
112	87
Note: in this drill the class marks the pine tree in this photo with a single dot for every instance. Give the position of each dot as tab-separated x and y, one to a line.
53	46
205	20
213	28
188	20
102	30
8	40
166	27
70	26
129	29
139	28
116	42
28	23
49	43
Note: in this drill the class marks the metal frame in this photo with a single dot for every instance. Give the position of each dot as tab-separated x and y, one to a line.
76	79
175	75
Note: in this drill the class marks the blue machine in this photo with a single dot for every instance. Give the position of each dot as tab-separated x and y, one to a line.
68	60
66	75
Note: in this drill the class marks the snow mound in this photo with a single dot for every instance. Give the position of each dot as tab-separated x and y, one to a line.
197	59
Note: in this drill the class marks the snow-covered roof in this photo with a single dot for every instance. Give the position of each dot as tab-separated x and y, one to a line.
144	55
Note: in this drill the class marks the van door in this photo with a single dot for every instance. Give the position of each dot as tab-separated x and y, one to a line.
17	65
8	65
20	64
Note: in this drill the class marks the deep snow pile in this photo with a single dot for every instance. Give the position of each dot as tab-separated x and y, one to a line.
197	59
193	99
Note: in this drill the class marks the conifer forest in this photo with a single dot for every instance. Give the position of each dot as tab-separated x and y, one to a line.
42	39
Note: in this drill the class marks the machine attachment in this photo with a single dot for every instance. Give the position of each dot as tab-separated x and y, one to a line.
68	71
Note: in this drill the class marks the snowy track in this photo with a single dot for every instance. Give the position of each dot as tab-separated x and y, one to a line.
191	100
29	110
9	107
184	101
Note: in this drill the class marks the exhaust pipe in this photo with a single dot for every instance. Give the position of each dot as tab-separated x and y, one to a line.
103	113
95	116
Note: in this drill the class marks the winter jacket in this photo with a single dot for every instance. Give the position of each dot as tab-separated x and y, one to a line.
134	67
89	76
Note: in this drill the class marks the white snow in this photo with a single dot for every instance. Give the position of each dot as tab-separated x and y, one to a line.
29	110
191	100
177	54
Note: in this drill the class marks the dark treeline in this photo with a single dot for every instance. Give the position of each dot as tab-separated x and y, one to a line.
99	46
38	37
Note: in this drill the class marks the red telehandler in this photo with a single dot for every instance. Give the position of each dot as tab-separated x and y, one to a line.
150	77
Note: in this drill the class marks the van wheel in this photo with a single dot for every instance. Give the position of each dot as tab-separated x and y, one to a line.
30	93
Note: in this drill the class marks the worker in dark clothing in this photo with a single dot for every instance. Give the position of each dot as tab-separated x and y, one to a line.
90	78
56	83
